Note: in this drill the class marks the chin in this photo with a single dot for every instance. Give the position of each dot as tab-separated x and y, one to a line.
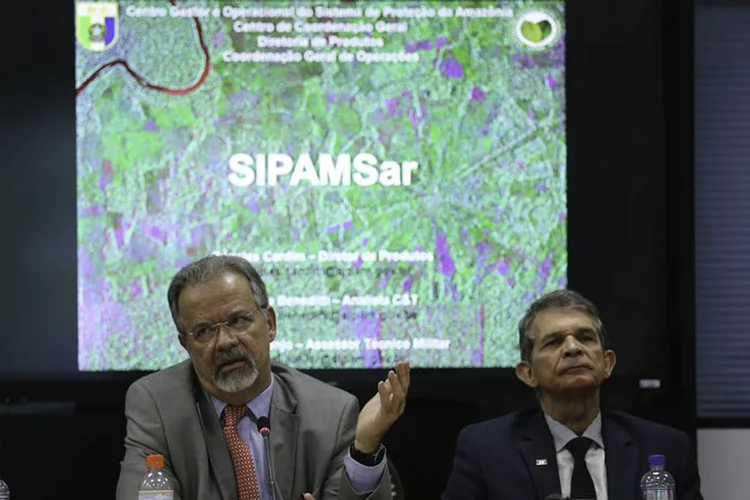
581	384
237	380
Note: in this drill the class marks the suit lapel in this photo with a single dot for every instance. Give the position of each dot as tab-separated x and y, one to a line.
539	456
218	453
621	453
284	429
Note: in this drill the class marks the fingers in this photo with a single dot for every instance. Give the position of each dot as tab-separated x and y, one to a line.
403	372
396	389
385	394
400	376
388	387
308	496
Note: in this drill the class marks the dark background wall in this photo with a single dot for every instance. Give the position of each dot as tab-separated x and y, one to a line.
626	249
722	207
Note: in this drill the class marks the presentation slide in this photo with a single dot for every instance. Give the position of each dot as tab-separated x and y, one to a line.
396	171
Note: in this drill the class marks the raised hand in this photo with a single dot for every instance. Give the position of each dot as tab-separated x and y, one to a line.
383	409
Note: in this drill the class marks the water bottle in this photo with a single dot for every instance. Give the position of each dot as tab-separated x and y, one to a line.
155	484
657	483
4	490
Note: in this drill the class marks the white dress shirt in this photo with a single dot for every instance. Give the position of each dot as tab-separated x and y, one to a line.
594	457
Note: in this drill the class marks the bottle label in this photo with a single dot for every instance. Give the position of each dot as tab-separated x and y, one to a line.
156	495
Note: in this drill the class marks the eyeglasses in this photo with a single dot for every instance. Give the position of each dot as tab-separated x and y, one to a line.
236	324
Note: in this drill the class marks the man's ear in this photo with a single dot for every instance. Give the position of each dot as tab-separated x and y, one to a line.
271	322
610	359
525	373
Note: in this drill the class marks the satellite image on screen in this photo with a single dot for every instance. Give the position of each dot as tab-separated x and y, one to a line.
394	170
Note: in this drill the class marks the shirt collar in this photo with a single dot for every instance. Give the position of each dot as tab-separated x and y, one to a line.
260	405
562	435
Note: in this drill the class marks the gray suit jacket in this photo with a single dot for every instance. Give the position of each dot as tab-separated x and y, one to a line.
312	426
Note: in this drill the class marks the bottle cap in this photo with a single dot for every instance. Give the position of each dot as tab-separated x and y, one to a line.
656	460
155	461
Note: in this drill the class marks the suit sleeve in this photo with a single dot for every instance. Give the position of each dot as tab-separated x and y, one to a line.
337	484
144	436
689	487
465	481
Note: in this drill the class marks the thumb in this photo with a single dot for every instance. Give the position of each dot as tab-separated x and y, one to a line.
308	496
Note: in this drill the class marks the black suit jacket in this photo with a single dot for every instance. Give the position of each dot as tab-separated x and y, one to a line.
497	459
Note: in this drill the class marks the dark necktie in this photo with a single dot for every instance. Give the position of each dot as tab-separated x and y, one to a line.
242	457
581	486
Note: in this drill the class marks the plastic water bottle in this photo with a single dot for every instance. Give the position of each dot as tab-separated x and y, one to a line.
155	484
657	483
4	490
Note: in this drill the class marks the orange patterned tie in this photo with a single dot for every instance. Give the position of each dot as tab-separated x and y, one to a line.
244	467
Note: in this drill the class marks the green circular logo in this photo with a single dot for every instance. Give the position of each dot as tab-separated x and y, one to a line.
538	29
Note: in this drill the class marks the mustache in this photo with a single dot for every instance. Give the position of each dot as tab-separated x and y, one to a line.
226	357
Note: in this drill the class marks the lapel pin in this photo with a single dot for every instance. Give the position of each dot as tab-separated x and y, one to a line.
541	461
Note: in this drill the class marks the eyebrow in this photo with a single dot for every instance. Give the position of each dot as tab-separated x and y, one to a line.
238	312
558	333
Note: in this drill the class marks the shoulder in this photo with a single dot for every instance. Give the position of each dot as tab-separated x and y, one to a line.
646	430
501	428
170	381
311	392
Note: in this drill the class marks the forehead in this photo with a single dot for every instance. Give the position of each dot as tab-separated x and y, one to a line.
225	291
557	320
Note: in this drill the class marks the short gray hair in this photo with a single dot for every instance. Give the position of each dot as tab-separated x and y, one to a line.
559	299
207	269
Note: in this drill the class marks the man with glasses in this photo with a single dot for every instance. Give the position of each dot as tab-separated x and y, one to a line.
202	414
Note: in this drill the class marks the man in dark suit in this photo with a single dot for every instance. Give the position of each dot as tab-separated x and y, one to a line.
568	446
202	414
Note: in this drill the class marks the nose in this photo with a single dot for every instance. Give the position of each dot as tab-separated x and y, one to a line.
572	347
225	338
